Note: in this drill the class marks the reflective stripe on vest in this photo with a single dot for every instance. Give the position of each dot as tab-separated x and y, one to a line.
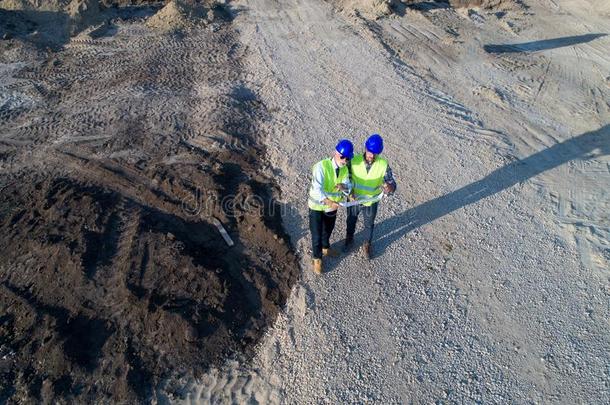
365	184
328	186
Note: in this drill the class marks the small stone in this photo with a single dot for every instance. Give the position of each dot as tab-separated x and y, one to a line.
210	15
191	334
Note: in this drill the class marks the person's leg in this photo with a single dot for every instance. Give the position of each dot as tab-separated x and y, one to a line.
352	219
369	214
315	226
328	224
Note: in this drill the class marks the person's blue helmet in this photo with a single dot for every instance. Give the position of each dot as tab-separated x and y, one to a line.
374	144
345	148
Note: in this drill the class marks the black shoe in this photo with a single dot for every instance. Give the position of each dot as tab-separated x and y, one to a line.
349	243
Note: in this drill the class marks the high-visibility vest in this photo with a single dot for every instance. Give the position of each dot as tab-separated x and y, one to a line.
330	181
368	184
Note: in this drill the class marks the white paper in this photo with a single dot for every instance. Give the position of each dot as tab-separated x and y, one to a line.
362	201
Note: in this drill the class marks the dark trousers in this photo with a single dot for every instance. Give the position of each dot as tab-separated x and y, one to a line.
369	214
321	225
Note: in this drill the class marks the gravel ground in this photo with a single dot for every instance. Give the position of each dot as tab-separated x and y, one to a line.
489	280
477	292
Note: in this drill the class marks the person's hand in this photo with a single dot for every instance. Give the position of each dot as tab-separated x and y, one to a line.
331	204
387	189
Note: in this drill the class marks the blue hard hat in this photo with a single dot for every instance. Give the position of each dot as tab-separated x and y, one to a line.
374	144
345	148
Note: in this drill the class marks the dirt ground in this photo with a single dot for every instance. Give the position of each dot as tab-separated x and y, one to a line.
118	148
126	127
489	281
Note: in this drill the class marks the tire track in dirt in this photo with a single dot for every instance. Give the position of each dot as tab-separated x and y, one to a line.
112	177
471	305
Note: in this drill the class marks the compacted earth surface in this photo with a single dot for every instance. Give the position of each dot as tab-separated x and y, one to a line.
130	129
122	143
489	281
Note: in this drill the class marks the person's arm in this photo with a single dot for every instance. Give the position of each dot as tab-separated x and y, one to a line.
317	186
389	184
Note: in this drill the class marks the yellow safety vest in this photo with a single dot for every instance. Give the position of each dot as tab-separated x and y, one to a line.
368	185
330	181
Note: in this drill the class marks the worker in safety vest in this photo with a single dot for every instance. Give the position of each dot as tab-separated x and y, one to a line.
371	176
330	184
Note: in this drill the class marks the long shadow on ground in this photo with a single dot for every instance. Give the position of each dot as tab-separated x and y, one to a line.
542	45
588	145
580	147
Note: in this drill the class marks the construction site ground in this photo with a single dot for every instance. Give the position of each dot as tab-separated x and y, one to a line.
128	130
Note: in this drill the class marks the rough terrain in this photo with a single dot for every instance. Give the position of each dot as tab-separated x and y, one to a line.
490	280
117	151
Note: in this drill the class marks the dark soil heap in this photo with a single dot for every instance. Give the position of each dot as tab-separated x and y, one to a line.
116	153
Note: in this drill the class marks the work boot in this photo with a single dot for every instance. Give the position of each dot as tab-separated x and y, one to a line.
349	243
366	249
329	252
317	266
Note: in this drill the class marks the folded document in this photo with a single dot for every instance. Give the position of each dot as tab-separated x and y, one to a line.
361	201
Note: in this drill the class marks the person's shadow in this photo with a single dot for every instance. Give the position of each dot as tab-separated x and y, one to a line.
585	146
542	45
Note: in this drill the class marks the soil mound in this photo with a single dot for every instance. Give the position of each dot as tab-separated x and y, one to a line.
38	5
82	14
114	278
178	14
48	23
374	9
367	8
124	3
479	3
